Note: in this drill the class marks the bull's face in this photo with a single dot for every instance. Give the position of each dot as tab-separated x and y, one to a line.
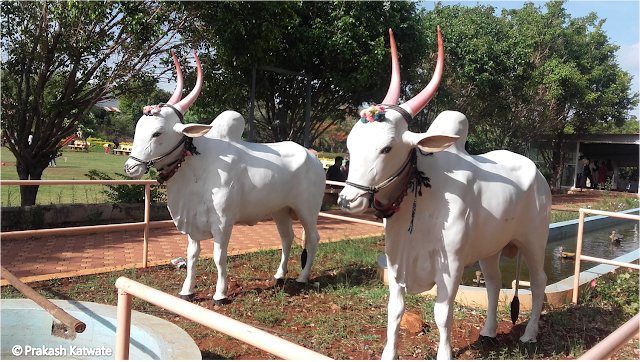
160	131
381	142
378	151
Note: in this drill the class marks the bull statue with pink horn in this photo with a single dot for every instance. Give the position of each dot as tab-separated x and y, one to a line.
445	210
214	179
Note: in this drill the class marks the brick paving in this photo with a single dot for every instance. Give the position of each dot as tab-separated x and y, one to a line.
51	257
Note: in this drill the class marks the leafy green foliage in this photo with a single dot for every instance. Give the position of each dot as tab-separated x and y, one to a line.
342	46
618	289
527	74
61	58
128	194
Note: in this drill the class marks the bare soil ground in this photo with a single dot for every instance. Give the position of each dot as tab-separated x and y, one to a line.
576	198
342	311
349	321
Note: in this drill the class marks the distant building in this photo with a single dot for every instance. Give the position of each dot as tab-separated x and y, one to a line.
110	105
619	151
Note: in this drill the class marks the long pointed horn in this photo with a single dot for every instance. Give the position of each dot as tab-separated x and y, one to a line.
417	103
184	104
177	94
393	94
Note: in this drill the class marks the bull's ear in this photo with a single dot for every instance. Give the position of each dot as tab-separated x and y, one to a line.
429	143
192	129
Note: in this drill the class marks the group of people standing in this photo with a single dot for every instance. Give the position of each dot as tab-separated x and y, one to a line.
595	174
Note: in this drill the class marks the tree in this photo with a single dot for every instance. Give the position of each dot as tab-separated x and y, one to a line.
580	85
529	75
343	46
61	58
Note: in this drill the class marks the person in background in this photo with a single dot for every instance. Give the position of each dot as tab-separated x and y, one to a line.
602	175
334	173
345	169
609	172
586	172
55	155
594	173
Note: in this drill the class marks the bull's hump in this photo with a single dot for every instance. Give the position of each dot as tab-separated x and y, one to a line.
229	125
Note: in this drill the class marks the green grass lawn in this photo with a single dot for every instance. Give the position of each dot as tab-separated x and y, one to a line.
71	166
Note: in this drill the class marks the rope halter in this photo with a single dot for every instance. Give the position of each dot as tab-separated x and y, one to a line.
415	178
187	141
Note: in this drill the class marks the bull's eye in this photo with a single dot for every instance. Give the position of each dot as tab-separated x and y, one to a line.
157	134
385	150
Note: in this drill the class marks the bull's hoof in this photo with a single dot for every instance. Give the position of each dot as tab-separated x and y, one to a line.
488	342
220	302
274	282
188	297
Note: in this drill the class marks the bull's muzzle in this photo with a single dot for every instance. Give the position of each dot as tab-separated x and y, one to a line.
350	202
135	169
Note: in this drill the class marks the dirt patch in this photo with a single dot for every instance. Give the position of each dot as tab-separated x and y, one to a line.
578	198
341	312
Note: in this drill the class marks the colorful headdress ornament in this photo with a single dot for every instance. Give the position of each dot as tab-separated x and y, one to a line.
151	110
371	114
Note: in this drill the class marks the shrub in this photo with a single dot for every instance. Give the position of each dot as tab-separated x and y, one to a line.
618	289
129	194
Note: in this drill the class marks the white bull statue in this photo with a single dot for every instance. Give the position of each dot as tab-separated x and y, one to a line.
464	208
214	180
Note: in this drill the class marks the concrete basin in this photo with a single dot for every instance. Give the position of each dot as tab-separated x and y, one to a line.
29	332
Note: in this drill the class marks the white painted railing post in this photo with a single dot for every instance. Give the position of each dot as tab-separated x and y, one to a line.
576	277
123	325
258	338
147	216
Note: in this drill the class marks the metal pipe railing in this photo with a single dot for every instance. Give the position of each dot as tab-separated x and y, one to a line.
619	337
580	257
610	345
64	317
231	327
145	225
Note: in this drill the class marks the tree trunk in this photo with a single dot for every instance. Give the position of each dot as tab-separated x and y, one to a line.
30	172
557	162
28	195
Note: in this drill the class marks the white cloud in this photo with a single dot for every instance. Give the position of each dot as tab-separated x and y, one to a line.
628	56
629	60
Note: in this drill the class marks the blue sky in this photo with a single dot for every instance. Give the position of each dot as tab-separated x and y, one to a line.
621	26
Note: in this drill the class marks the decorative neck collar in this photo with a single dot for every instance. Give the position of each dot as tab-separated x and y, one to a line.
188	150
413	183
164	176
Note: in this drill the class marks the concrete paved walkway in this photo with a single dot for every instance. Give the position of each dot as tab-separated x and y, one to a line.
63	256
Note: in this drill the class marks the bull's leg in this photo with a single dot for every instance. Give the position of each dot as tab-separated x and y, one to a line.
312	238
443	312
493	281
193	253
220	244
395	311
285	229
535	263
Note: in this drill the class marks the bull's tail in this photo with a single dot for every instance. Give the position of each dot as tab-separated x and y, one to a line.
515	303
303	256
